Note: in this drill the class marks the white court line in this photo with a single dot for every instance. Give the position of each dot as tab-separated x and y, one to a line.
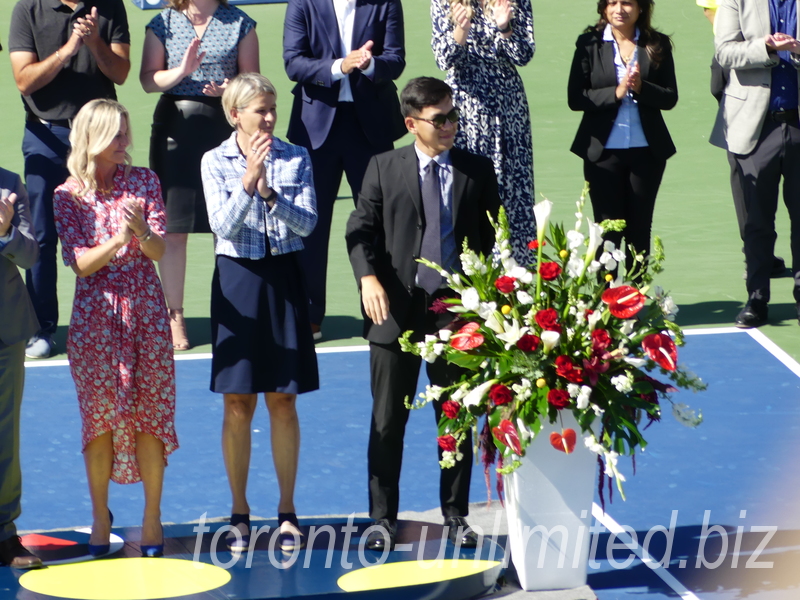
775	350
667	577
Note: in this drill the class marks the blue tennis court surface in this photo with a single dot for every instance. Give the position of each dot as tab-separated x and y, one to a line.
737	472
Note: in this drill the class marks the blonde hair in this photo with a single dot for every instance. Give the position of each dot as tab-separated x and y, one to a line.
93	129
242	90
180	5
488	7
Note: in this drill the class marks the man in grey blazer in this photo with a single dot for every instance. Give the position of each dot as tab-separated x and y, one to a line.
18	248
758	122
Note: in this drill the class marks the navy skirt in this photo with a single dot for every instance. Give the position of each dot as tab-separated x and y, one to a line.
260	330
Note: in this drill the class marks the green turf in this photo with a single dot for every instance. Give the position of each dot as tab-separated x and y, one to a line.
694	213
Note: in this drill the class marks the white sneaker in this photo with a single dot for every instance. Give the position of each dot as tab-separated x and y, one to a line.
40	347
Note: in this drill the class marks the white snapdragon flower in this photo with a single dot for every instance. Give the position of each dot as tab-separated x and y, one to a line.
522	390
575	239
623	383
574	389
550	340
593	319
595	238
598	412
470	299
593	267
471	264
627	327
635	362
687	416
665	303
432	393
521	274
591	443
575	265
524	297
444	334
582	400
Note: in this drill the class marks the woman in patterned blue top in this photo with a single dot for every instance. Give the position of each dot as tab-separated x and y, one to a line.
480	43
261	203
191	50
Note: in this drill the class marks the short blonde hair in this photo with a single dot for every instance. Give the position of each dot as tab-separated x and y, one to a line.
242	90
93	129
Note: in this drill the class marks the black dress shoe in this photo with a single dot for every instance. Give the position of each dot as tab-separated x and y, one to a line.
14	554
383	534
460	533
754	314
778	267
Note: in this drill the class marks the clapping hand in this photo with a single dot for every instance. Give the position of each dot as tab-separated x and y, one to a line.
503	13
782	41
88	27
634	78
191	59
132	220
358	59
215	89
6	213
260	146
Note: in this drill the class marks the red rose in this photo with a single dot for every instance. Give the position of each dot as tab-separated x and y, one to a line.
528	342
566	368
506	433
447	443
558	398
500	394
467	337
549	271
505	284
661	348
451	408
623	301
547	319
600	341
534	244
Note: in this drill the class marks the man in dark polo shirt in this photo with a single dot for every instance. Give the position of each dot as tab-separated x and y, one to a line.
63	54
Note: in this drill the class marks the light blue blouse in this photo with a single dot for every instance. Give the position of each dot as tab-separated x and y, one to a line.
627	131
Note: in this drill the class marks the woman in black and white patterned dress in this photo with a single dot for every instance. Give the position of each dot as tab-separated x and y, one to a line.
480	43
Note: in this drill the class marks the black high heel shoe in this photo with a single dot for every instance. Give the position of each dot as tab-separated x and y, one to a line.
154	551
288	541
238	543
101	549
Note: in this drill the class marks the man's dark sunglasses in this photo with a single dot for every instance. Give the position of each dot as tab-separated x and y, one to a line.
439	120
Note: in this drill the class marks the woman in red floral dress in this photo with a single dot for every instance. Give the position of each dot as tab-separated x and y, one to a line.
110	219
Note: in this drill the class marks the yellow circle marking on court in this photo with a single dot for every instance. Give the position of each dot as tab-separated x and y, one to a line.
126	579
415	572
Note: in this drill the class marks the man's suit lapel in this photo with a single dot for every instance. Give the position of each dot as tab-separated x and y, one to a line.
410	175
459	181
327	15
362	18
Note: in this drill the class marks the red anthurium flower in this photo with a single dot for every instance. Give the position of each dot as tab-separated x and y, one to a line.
549	271
447	443
600	341
624	301
661	348
558	398
467	337
564	441
505	284
507	434
534	244
528	342
547	319
451	408
500	394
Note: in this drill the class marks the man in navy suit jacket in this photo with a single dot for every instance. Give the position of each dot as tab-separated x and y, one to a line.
344	56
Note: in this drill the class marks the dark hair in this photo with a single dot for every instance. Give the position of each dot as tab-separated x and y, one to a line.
421	92
652	40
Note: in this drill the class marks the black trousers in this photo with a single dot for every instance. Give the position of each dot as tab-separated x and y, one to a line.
394	375
345	151
623	184
776	156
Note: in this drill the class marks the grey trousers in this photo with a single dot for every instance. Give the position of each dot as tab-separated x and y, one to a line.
12	379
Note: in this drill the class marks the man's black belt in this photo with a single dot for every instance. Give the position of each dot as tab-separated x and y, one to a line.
783	116
32	118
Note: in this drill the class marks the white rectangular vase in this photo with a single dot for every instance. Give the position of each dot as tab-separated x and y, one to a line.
549	508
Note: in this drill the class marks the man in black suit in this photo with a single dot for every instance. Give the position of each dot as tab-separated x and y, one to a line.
405	194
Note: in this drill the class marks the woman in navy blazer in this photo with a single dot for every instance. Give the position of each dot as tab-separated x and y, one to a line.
622	77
